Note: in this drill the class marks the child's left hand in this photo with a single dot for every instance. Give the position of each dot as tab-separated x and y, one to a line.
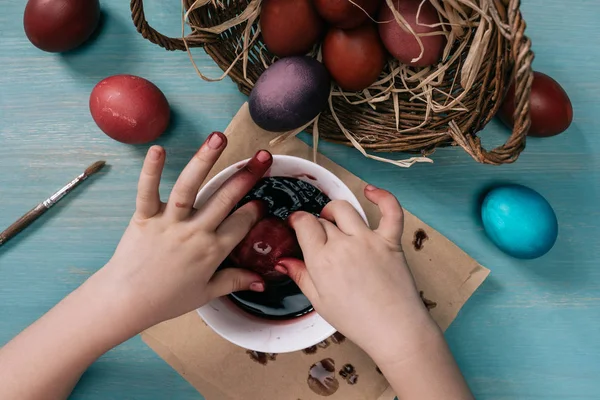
167	258
164	266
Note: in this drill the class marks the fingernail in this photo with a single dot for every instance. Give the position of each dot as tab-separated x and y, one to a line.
257	287
281	269
263	156
215	141
155	153
370	188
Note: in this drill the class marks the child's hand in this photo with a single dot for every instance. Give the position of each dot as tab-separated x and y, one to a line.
357	278
167	258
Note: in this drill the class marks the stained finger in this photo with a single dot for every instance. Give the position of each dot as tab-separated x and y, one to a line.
220	204
391	224
347	219
186	188
147	202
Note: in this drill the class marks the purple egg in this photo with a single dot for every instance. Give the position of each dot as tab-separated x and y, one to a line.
289	94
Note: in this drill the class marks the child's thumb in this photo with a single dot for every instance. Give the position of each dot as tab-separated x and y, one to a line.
231	280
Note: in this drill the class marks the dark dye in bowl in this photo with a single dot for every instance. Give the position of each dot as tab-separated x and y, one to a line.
282	299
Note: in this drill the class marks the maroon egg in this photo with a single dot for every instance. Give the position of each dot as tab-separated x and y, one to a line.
290	27
354	57
129	109
346	15
60	25
550	108
268	241
401	43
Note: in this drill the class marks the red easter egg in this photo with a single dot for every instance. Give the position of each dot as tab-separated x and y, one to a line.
401	43
60	25
550	108
290	27
346	15
130	109
268	241
355	57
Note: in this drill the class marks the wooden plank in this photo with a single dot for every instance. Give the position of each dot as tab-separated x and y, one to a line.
530	332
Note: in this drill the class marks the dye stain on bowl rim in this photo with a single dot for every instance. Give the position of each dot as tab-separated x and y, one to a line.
282	299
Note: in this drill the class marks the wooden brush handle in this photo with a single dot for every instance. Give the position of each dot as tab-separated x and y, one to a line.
22	223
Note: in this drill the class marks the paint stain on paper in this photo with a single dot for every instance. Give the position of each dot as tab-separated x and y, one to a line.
420	238
428	303
321	378
348	372
338	338
261	358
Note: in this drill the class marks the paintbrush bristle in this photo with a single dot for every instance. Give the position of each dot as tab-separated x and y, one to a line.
95	167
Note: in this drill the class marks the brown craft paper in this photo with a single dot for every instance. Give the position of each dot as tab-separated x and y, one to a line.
222	371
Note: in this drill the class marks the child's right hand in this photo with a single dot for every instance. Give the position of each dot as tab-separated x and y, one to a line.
358	278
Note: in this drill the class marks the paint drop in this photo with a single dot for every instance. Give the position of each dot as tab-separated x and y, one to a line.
420	237
428	303
348	372
310	350
321	378
261	358
338	338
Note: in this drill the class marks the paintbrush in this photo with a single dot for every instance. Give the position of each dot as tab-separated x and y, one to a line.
41	208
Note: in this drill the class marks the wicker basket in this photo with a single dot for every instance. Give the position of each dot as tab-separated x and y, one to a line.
508	57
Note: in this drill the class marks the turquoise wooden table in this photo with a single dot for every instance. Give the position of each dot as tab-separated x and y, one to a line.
530	332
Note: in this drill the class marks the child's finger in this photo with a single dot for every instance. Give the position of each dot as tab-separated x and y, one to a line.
332	231
296	270
186	188
347	219
220	204
148	198
237	225
392	216
231	280
310	232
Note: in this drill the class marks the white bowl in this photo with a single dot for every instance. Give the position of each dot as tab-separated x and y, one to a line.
264	335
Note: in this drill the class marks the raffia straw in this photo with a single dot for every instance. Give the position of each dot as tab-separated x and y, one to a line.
315	135
499	15
200	3
290	134
476	54
396	110
399	163
246	46
250	11
249	17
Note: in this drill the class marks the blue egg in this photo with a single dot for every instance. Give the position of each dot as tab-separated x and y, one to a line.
519	221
